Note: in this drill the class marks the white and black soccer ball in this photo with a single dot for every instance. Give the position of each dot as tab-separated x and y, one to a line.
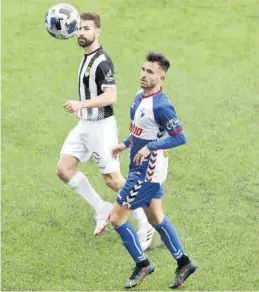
62	21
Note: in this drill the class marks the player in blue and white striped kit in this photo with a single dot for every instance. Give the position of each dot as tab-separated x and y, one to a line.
154	128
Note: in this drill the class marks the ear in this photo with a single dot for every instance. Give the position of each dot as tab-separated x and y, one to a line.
98	31
163	77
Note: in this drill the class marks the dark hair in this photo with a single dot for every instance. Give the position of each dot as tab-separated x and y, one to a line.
95	17
160	59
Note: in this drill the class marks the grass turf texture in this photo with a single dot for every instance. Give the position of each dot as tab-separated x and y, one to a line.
212	187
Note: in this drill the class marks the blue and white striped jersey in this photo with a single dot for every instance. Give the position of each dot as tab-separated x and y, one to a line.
154	124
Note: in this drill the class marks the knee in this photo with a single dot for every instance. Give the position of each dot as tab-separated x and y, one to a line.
119	216
115	219
63	171
60	170
156	220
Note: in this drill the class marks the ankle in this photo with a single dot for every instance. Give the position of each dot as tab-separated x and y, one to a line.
143	264
183	260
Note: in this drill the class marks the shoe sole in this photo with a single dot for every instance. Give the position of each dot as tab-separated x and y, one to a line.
141	280
100	232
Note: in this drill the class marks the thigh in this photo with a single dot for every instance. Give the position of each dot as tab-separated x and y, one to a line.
114	180
104	136
75	146
67	161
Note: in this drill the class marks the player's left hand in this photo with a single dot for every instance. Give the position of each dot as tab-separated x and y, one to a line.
72	106
141	155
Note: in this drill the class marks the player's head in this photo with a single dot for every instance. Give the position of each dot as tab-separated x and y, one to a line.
154	70
89	30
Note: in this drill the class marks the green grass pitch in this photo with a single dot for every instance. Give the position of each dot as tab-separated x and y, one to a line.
212	191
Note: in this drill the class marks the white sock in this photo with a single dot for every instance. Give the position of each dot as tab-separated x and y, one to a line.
141	218
80	184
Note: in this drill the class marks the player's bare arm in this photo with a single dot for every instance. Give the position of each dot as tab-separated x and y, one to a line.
109	97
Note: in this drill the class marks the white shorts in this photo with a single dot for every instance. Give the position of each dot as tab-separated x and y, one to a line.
94	139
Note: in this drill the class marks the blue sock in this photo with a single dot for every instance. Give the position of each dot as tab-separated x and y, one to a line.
170	239
130	240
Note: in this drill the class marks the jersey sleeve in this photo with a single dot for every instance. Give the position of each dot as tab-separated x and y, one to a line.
105	75
127	142
166	117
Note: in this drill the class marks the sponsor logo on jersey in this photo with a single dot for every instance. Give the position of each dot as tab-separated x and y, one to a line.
109	76
172	123
135	130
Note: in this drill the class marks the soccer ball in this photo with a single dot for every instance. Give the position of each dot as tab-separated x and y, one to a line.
62	21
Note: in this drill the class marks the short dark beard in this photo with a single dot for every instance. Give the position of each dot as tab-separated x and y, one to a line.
86	43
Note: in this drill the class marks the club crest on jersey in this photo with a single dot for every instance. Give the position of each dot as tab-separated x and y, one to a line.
143	112
135	130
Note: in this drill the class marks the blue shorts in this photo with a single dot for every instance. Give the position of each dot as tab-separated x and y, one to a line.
137	193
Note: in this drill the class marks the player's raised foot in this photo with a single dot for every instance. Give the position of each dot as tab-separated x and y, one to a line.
145	235
102	218
138	275
182	273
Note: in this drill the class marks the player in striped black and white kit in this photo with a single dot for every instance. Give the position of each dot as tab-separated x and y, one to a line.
96	131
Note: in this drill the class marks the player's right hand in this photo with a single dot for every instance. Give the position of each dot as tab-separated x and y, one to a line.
72	106
117	149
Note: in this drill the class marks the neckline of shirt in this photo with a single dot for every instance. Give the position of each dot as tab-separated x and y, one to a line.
152	94
93	51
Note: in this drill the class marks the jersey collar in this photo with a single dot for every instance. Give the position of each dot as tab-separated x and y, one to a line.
100	48
145	96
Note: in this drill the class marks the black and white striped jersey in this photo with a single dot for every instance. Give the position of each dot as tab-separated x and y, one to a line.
95	72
